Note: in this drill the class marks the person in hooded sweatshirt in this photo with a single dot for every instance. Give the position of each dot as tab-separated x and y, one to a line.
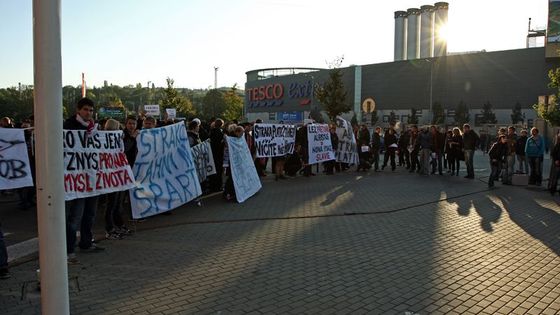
534	150
497	156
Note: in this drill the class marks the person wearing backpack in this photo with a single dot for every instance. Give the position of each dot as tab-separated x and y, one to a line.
534	150
497	155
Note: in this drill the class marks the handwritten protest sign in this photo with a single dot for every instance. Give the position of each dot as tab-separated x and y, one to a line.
171	113
274	139
202	155
165	171
95	163
319	143
14	161
245	179
152	110
347	151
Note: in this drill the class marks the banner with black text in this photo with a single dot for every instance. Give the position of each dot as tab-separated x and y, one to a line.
274	139
94	163
204	160
319	143
347	150
14	160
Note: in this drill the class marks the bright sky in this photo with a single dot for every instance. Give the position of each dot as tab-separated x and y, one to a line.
131	41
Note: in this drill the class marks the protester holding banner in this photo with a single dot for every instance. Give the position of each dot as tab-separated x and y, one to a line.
80	213
330	165
114	222
130	133
217	145
4	272
192	132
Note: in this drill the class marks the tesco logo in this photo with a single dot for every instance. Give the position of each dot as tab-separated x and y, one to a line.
266	92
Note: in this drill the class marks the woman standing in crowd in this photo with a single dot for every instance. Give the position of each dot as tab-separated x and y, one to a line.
534	149
455	151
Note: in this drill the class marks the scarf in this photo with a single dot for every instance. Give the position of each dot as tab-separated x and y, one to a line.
90	125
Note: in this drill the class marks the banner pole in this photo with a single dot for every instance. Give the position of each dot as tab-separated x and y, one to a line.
49	157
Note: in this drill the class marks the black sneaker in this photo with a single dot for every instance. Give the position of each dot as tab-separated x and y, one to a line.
5	273
92	249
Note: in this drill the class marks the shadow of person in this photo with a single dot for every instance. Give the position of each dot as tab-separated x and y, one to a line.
489	213
540	222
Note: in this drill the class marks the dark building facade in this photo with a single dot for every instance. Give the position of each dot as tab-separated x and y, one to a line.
502	78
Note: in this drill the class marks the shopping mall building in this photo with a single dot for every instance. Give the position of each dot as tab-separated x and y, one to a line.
422	74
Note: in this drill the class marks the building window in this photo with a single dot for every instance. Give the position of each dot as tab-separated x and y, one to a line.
271	116
385	118
404	118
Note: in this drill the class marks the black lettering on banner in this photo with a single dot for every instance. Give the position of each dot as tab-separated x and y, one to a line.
12	169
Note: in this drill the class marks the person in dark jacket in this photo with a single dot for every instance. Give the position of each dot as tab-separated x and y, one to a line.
497	155
217	146
414	149
80	213
363	148
555	166
329	165
404	154
470	142
390	148
375	147
455	151
523	166
192	132
130	146
438	144
425	142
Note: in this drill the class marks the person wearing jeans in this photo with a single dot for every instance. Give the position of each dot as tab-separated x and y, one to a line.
534	150
510	157
523	166
470	141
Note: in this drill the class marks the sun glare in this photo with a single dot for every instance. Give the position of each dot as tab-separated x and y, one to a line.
442	32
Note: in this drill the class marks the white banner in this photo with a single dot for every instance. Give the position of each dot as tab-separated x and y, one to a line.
152	110
319	143
204	160
274	139
347	151
95	163
165	171
14	160
245	178
171	113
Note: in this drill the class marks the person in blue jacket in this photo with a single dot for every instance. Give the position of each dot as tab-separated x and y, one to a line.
534	150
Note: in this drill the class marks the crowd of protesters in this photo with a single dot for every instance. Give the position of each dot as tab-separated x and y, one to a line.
426	150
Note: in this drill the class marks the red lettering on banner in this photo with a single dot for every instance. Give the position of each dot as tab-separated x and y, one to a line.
113	179
77	182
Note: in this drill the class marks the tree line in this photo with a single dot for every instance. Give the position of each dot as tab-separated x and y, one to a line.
227	103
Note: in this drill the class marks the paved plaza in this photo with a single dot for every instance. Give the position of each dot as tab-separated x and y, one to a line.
352	243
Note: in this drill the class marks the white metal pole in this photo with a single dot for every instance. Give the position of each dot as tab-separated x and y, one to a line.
49	157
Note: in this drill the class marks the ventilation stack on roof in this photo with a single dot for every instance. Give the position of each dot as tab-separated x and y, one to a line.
400	35
440	20
427	31
413	34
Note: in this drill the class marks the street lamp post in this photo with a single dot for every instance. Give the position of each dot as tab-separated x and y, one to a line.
430	115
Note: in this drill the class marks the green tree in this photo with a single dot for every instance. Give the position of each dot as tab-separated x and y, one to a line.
488	116
213	104
332	95
516	115
462	115
413	118
438	114
374	117
173	99
234	104
551	112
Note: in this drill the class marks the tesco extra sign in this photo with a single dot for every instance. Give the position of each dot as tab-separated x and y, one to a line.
266	92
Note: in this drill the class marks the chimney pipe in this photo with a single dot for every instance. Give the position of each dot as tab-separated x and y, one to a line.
400	35
440	20
427	31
